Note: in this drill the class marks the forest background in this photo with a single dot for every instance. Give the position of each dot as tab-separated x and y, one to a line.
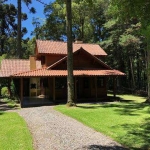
123	37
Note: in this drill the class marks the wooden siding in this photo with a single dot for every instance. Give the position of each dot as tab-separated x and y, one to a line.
83	89
50	59
81	61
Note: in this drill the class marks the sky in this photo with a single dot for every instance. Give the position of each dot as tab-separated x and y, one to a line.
39	14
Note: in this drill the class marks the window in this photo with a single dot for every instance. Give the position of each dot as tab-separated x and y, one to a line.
33	86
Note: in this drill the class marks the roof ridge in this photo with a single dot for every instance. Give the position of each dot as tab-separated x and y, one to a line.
66	42
50	41
16	59
85	43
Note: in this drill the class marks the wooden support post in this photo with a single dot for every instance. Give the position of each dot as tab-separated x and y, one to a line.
114	82
49	92
96	88
90	86
21	92
54	97
75	87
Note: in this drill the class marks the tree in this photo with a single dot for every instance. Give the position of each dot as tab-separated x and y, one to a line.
124	45
70	82
87	21
8	30
19	33
137	9
19	37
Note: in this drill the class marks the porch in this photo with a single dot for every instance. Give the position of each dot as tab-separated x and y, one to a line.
38	91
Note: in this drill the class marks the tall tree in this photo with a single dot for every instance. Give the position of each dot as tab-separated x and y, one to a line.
87	20
19	37
137	9
19	32
70	82
8	27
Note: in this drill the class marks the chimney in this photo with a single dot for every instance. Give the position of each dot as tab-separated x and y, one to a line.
78	42
32	62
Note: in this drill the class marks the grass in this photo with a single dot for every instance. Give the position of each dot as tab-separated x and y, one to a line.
14	134
127	121
11	103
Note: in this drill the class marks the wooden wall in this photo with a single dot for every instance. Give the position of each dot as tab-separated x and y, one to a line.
83	90
81	61
50	59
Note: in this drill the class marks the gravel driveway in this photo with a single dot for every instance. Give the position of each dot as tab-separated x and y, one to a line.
52	130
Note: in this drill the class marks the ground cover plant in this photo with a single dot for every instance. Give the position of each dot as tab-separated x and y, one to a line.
127	120
14	134
10	103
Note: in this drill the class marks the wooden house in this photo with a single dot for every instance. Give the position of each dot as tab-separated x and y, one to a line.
43	78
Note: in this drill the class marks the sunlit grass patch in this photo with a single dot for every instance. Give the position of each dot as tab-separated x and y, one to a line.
14	134
126	121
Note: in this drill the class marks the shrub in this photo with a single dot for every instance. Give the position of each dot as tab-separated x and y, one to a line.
5	92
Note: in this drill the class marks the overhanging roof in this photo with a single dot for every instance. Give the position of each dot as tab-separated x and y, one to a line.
59	73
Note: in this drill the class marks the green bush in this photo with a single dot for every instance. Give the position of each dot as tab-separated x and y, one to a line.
5	92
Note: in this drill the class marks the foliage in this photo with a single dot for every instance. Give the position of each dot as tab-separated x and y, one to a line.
14	133
10	103
126	49
87	21
121	32
135	10
3	57
8	31
28	47
126	120
5	92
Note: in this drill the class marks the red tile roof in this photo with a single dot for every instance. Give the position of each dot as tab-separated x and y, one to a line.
51	73
12	66
58	47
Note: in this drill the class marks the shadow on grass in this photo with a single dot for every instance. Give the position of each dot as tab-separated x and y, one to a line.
100	147
123	107
127	107
138	134
1	112
88	107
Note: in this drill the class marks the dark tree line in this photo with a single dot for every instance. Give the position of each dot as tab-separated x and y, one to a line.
123	35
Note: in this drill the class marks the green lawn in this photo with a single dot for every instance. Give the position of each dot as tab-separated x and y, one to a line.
14	134
126	121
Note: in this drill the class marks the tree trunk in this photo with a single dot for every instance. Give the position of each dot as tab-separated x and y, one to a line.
70	81
2	36
148	72
19	31
132	73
